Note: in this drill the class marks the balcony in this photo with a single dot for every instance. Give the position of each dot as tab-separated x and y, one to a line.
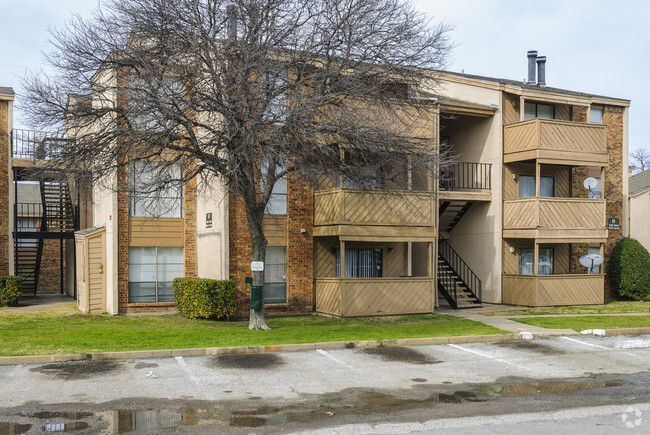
553	290
555	142
466	181
374	296
555	218
365	215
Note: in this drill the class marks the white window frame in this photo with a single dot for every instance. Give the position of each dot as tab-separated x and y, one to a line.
268	281
156	280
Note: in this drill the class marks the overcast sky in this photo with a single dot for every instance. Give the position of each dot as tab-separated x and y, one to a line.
592	46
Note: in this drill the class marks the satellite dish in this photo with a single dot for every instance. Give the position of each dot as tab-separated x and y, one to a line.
591	260
590	183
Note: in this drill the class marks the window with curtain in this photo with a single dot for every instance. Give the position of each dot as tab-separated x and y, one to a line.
156	190
538	110
527	186
544	262
275	275
151	272
360	263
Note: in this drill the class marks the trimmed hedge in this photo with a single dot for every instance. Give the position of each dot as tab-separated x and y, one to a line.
200	298
630	269
11	289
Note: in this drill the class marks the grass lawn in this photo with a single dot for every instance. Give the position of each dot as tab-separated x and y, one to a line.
65	330
587	322
609	308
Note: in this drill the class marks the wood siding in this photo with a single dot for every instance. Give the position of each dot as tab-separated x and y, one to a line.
156	231
555	141
554	213
97	274
275	230
389	208
374	296
553	290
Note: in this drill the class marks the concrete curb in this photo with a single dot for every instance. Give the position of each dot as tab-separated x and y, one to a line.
242	350
628	331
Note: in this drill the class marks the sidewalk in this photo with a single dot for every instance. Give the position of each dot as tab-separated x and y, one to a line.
41	301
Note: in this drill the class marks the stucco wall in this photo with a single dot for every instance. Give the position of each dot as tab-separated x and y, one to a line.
639	213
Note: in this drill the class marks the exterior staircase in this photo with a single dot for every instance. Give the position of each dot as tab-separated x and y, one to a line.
450	213
457	283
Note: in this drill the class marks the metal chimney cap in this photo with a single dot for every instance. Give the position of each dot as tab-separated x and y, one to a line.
532	53
541	59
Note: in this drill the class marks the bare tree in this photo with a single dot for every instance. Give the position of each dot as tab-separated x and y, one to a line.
245	91
641	158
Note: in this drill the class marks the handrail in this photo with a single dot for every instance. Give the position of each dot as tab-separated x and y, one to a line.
449	285
467	176
33	144
460	267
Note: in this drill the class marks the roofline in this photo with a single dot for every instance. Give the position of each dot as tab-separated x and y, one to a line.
639	192
7	93
542	93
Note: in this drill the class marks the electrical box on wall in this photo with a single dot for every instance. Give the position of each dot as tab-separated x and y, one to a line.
208	220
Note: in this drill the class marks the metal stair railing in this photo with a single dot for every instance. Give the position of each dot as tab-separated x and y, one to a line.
466	275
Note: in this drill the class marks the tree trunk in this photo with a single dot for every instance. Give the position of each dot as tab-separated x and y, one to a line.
258	244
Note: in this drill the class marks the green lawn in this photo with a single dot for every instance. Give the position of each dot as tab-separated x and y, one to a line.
588	322
65	330
608	308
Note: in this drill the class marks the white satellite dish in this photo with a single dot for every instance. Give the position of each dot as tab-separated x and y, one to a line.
591	260
590	183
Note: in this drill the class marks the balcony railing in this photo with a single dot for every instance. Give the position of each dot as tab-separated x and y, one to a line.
556	141
466	176
552	290
554	213
32	144
345	206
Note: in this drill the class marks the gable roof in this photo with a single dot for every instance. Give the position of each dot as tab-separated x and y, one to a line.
640	181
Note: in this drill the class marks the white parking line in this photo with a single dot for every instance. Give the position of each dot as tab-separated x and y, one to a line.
335	359
455	346
188	370
585	343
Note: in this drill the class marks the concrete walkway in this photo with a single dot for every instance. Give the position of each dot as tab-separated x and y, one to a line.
39	302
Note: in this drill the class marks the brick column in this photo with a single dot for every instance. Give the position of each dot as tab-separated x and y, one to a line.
5	101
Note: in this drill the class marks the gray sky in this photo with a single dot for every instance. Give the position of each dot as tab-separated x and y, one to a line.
593	46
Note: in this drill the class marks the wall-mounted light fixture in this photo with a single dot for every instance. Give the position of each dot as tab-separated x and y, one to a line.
512	249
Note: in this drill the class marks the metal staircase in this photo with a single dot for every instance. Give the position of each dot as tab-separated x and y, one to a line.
450	213
457	283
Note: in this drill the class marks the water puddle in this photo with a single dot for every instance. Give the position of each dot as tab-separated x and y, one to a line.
400	354
529	346
252	361
152	419
48	415
65	427
7	428
143	365
71	370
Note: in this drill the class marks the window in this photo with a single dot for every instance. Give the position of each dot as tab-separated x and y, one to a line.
527	186
360	263
274	95
156	190
538	110
593	250
544	262
278	201
151	272
596	115
153	104
275	275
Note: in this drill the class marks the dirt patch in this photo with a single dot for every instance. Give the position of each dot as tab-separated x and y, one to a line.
400	354
254	361
13	428
529	346
71	370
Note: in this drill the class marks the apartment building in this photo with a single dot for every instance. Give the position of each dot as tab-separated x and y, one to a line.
539	181
639	207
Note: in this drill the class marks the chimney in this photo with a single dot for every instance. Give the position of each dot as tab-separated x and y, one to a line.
541	71
231	14
532	55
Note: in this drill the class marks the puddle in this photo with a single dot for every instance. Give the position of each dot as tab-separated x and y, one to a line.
71	370
544	387
7	428
47	415
529	346
65	427
146	420
400	354
252	361
142	365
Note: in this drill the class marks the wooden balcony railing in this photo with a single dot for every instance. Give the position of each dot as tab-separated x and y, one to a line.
554	213
555	142
552	290
374	296
345	206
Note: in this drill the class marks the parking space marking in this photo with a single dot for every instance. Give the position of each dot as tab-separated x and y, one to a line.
335	359
455	346
188	370
585	343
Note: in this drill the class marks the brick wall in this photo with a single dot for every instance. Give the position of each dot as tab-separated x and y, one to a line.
300	265
49	277
4	188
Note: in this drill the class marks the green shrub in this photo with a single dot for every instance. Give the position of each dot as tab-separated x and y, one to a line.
11	289
199	298
630	269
